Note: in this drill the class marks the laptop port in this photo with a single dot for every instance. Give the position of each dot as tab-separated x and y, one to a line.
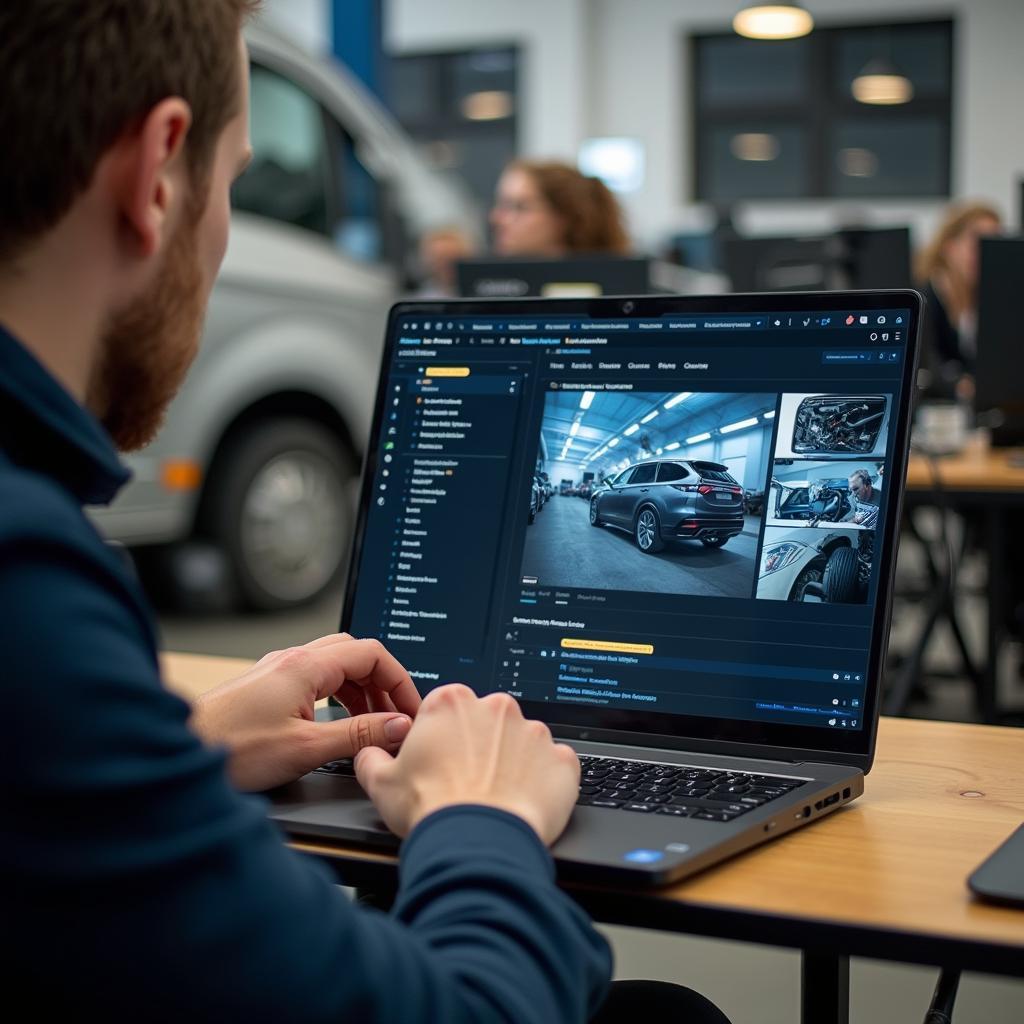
846	793
830	800
818	804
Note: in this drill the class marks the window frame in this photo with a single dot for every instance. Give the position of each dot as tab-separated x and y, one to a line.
822	107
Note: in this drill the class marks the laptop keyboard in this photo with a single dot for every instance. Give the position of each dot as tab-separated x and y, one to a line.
646	787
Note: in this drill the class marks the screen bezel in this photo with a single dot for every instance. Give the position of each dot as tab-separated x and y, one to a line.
735	736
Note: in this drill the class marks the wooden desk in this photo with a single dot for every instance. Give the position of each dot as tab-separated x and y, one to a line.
883	878
977	469
985	484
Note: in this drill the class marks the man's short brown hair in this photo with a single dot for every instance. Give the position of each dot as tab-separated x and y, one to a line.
76	74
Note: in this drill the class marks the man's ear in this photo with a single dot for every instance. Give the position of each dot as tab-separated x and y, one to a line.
153	178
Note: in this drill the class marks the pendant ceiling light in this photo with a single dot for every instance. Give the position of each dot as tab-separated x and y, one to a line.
773	21
880	83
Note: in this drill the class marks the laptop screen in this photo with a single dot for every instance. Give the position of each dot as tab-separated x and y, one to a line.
668	516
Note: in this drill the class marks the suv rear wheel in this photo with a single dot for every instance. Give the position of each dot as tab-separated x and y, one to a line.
278	505
647	531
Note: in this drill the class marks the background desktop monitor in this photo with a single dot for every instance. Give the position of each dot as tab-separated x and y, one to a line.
572	277
850	258
999	388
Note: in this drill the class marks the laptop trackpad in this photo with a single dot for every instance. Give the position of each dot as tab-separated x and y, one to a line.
329	805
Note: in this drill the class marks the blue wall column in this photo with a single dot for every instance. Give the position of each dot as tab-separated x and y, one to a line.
359	40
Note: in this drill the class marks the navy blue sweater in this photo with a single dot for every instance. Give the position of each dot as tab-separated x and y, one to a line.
140	884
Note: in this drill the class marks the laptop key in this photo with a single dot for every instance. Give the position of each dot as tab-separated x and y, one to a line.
604	802
644	808
673	809
715	815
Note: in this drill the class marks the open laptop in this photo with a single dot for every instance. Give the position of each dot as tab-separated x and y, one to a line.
574	276
639	517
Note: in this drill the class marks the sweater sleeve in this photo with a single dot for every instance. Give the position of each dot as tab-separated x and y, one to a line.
141	885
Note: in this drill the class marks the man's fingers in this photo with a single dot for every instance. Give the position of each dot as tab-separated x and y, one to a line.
330	640
372	766
378	701
353	696
348	736
367	663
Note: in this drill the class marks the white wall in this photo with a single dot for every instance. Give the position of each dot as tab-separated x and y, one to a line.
307	22
617	67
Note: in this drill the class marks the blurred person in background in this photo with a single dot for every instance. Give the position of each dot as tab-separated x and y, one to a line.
947	272
547	210
440	250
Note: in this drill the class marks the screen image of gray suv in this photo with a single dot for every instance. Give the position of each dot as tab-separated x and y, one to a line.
663	500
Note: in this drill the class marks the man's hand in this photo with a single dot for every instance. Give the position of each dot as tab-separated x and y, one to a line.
265	717
465	750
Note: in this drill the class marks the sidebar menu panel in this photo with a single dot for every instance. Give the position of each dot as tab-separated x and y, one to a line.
440	497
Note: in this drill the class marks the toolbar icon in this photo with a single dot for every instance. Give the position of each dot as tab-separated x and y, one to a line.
850	319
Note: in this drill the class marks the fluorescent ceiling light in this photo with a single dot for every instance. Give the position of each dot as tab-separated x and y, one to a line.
631	430
650	416
575	428
881	84
697	438
773	21
488	105
758	147
672	447
770	415
676	399
857	162
586	399
613	442
741	425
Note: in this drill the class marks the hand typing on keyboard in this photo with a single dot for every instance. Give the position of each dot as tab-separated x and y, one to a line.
265	717
468	750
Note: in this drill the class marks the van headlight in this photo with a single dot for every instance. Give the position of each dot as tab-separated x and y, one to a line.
778	556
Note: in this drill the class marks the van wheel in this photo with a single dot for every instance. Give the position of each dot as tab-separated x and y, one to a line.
277	503
840	578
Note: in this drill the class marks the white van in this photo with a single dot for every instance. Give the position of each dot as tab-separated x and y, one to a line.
255	465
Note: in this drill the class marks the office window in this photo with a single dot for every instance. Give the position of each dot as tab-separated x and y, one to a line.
779	120
462	110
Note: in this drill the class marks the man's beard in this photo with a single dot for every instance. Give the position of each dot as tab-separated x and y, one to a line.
148	347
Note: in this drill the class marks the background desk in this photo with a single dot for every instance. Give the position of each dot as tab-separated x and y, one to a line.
883	878
986	485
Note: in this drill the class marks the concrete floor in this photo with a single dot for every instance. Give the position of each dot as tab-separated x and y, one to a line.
752	984
564	550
